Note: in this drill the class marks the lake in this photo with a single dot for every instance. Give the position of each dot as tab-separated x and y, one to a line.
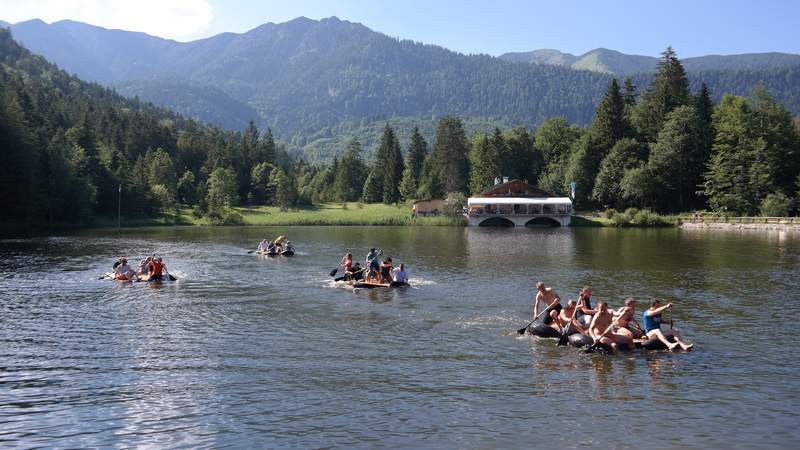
246	351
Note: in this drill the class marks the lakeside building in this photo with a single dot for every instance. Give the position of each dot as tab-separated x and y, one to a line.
517	203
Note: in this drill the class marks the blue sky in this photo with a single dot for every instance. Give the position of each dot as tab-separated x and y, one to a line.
644	27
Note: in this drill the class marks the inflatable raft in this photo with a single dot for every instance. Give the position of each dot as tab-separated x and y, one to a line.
146	278
283	253
581	340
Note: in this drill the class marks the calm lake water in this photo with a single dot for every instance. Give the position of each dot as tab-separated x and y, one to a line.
246	351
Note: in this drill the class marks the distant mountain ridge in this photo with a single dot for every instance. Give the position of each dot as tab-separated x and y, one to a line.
618	63
316	82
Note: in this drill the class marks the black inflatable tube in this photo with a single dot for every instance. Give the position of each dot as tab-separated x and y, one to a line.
544	331
655	344
580	340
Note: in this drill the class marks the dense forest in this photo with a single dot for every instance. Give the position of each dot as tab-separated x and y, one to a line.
319	83
72	150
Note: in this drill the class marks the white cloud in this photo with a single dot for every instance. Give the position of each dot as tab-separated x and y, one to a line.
174	19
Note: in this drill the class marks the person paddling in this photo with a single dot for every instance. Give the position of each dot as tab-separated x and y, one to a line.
551	301
585	311
627	324
599	326
652	326
373	266
156	269
386	270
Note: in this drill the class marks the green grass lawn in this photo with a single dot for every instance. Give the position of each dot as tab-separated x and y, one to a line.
341	214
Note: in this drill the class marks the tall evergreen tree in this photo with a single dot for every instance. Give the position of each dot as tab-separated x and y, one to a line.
483	164
668	90
677	158
417	151
524	160
627	154
351	173
449	157
393	171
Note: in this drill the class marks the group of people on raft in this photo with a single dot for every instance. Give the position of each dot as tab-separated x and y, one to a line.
612	328
276	247
377	271
152	268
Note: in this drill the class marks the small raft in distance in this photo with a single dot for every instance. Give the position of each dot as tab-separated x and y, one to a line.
142	278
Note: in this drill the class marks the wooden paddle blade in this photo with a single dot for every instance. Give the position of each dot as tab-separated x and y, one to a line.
333	272
522	330
171	278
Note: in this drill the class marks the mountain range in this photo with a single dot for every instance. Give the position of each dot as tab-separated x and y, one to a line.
316	83
617	63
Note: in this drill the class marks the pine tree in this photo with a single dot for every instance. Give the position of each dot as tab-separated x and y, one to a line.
524	160
677	158
629	92
483	167
668	90
449	157
393	170
373	191
350	174
417	151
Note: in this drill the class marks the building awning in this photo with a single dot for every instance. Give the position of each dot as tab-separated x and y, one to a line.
519	201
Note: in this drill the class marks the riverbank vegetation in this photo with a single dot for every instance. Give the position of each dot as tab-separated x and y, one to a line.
74	151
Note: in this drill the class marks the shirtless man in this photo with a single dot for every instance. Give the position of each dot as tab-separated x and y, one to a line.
600	323
551	301
652	326
566	318
626	322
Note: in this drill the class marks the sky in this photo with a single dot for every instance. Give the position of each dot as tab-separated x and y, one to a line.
645	27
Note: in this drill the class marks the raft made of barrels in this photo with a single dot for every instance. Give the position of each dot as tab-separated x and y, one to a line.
582	340
146	278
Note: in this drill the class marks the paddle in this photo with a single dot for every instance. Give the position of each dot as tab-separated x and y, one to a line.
522	330
562	341
171	278
333	272
351	274
251	252
596	342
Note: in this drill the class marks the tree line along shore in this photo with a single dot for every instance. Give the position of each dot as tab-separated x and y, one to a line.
78	153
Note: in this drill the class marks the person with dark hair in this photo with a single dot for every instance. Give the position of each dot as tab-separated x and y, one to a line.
652	327
585	311
386	271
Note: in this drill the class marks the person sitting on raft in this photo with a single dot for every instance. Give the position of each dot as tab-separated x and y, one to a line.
652	326
626	322
585	311
600	323
144	266
551	301
349	270
400	275
572	324
262	246
157	268
124	271
386	270
289	247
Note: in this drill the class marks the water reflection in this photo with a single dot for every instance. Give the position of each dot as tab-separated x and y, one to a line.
250	351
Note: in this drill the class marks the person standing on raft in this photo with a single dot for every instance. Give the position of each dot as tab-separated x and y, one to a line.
552	303
652	326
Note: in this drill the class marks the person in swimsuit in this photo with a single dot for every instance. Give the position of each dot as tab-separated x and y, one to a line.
626	322
373	264
600	323
585	311
551	301
652	326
